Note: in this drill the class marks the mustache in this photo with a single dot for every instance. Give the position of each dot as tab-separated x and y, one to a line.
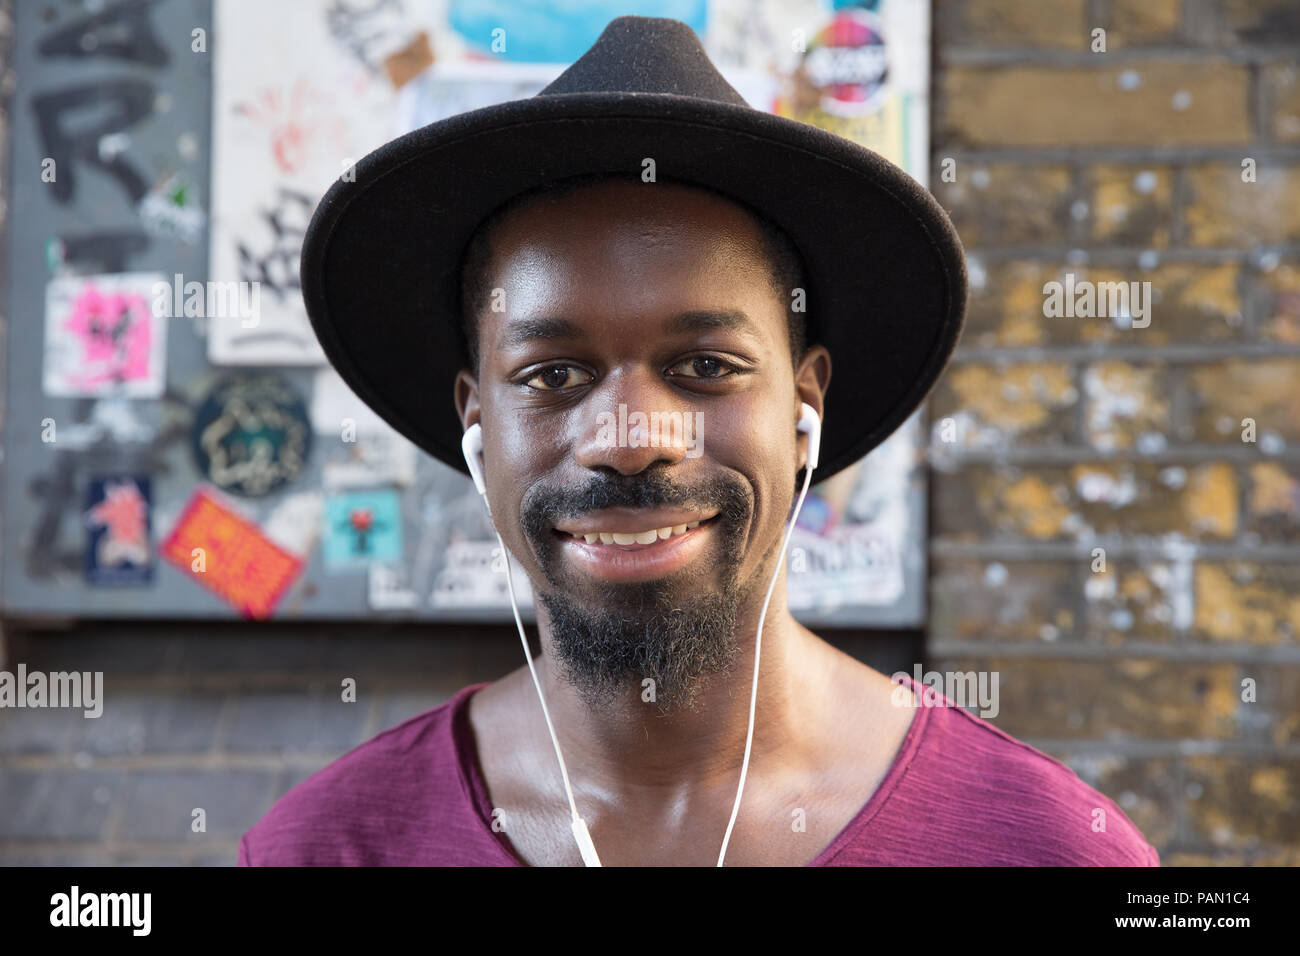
545	505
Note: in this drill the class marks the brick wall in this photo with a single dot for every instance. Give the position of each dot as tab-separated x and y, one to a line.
227	717
1069	434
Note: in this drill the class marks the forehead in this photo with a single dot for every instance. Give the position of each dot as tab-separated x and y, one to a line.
623	234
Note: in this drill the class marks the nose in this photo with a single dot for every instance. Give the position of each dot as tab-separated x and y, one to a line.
632	423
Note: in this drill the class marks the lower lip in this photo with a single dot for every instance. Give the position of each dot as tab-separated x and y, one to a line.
614	562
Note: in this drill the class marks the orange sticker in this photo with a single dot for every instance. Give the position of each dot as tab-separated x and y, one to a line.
230	556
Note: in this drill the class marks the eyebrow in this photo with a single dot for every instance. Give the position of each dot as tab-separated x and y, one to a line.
552	328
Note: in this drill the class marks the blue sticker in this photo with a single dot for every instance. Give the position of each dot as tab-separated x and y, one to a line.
555	31
119	549
362	527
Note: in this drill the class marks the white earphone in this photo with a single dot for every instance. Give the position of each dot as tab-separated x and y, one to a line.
472	447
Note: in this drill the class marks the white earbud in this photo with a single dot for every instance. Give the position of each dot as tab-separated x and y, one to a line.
472	445
810	424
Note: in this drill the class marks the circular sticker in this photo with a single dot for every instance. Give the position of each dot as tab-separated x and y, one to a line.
251	434
848	64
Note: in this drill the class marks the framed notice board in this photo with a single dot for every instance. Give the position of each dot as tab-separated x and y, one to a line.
163	458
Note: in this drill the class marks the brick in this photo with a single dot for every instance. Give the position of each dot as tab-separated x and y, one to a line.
1224	211
1247	602
1027	601
1210	502
223	859
152	722
1126	405
1029	403
1188	303
18	855
1182	858
1282	85
290	777
292	722
1280	304
1131	205
1273	501
1173	103
1146	790
1223	394
1010	23
136	858
994	204
202	653
1110	700
56	804
159	804
1243	803
115	650
45	730
397	707
1084	501
1143	22
1133	601
1006	305
1273	716
1262	22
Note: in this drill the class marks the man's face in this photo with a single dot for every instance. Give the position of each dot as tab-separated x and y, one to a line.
637	379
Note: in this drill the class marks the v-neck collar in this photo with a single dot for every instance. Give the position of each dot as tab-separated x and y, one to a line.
475	787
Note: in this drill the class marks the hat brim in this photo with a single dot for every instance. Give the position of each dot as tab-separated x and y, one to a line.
380	266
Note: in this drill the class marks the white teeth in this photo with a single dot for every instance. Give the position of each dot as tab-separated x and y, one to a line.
639	537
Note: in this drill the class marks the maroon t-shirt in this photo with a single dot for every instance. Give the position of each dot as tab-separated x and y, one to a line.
960	792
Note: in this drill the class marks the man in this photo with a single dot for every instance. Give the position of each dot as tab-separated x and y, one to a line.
568	289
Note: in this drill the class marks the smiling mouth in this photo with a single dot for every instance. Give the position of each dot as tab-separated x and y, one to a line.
634	541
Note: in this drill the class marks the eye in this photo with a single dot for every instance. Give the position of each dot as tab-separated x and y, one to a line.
555	378
703	366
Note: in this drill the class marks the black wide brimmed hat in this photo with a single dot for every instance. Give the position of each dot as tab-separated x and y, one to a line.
381	260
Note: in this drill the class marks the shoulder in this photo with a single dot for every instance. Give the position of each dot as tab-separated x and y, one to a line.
1016	804
362	809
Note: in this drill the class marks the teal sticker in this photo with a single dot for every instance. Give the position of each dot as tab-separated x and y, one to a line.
362	527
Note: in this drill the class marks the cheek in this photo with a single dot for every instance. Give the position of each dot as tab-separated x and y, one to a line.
762	447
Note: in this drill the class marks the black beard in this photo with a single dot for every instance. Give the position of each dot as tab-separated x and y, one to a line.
672	630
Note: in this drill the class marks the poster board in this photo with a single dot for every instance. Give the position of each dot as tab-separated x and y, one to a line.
178	166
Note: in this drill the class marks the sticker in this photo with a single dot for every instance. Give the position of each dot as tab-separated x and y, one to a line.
816	514
387	588
370	460
362	527
847	64
282	134
251	435
229	555
294	523
474	576
171	211
102	337
337	410
117	520
551	31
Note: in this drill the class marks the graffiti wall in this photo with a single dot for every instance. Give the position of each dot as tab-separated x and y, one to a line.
173	446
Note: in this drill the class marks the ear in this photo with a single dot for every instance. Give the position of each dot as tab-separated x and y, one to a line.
465	394
811	379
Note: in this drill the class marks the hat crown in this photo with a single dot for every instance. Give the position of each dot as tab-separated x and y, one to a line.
646	55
